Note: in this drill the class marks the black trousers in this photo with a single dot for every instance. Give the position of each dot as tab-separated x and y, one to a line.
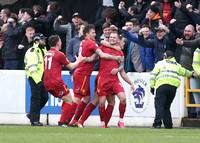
164	97
39	97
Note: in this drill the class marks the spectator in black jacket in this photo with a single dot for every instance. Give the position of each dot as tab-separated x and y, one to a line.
10	42
152	18
25	44
30	22
182	15
53	10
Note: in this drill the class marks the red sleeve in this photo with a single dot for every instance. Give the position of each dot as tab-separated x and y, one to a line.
63	59
94	46
121	53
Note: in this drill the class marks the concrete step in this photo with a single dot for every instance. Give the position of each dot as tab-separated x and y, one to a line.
190	122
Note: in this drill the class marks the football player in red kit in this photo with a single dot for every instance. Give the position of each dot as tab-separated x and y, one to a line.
83	72
54	60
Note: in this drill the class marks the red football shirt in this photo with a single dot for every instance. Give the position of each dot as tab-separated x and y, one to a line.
53	63
106	66
86	49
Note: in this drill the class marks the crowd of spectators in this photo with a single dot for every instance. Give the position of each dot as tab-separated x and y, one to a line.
150	26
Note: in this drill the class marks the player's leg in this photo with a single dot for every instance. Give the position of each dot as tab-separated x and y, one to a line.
122	108
102	111
80	108
66	107
109	108
88	110
76	101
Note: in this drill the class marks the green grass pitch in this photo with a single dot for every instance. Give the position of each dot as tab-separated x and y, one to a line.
47	134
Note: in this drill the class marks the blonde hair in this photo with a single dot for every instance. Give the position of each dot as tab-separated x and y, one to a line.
29	29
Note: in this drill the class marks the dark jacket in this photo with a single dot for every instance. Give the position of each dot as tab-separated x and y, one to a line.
11	41
182	15
21	52
160	45
32	23
172	8
48	22
148	55
153	22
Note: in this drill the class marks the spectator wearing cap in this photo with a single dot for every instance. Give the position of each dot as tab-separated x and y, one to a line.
147	55
68	29
34	68
165	78
161	42
76	19
152	18
11	40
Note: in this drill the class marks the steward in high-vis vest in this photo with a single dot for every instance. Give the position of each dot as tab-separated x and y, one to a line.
196	67
34	68
165	78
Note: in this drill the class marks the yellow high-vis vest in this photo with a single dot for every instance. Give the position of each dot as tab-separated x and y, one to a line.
196	61
34	62
167	71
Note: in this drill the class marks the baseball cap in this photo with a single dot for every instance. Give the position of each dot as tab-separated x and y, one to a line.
168	54
39	36
154	9
159	29
76	14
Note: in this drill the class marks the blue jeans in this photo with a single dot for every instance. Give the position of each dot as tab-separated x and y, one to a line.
11	65
195	84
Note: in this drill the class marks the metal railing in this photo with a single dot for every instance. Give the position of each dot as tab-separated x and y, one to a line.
187	93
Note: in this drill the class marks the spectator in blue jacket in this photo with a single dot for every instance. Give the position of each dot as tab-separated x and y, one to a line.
148	55
161	42
74	43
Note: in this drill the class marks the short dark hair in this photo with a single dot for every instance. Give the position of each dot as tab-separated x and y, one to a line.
7	11
134	8
88	28
53	40
14	18
30	12
54	6
39	9
145	25
22	10
135	21
79	25
116	32
106	25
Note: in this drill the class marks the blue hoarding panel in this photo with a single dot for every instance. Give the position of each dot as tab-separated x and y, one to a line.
54	104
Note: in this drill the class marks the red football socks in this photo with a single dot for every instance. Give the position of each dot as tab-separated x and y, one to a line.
108	115
102	113
79	110
65	112
87	112
73	109
122	109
